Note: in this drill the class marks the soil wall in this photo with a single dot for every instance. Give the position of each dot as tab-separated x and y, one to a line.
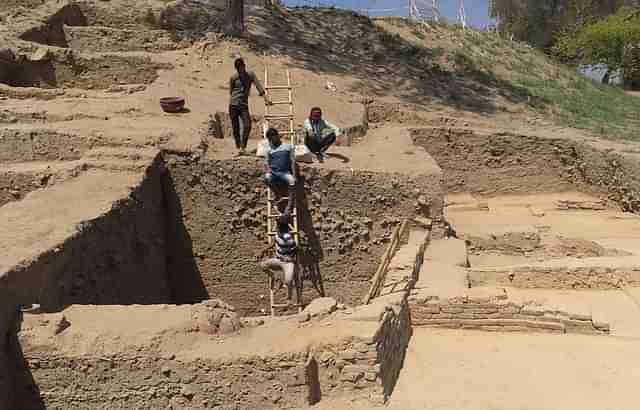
503	163
359	367
117	258
346	220
499	163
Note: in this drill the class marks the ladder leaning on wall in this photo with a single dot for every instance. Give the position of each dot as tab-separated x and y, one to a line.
281	96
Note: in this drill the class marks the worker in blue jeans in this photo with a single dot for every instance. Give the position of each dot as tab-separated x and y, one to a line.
279	166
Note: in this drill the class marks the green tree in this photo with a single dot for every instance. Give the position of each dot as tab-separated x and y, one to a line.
541	22
613	41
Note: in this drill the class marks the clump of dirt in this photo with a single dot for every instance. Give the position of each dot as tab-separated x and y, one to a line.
397	113
217	317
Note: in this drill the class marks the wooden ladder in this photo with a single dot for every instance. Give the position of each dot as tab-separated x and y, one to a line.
282	96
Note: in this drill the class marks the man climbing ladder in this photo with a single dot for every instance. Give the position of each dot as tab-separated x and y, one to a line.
285	260
281	170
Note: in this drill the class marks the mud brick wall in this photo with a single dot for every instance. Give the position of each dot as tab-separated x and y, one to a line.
497	313
356	367
117	258
558	277
393	340
346	220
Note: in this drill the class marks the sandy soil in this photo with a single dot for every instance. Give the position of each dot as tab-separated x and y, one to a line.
443	369
67	206
474	370
581	230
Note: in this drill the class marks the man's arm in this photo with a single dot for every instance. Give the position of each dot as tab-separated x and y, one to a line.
260	88
292	158
307	129
267	161
333	128
230	85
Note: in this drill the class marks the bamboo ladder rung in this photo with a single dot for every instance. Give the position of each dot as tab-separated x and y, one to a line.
271	215
278	87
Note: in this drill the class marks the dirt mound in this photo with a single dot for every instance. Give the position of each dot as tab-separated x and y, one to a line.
67	69
27	4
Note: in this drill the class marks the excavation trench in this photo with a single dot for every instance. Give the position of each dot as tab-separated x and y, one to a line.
517	244
192	229
217	225
486	163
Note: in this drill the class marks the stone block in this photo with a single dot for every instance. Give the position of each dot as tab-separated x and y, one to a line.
510	309
443	316
429	308
321	307
450	309
484	311
348	355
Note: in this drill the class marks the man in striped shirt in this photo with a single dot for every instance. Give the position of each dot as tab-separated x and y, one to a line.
285	258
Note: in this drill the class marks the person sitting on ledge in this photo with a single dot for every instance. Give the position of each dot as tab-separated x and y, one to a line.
319	134
285	258
279	163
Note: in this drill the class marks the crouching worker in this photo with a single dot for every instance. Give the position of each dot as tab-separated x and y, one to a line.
319	134
285	258
279	162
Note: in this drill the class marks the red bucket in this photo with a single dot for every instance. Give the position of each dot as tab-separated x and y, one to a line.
172	104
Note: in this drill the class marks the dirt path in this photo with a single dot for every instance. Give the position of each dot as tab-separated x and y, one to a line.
475	370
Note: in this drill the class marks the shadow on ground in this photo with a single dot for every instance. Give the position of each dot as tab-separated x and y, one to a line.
340	42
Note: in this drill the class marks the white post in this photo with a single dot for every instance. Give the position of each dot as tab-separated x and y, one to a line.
435	7
462	16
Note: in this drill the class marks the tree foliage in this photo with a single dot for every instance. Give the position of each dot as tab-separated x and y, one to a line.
613	41
541	22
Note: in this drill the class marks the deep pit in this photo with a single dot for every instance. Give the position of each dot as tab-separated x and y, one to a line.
138	237
194	228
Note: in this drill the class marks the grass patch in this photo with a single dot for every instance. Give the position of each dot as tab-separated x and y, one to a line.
569	98
523	73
